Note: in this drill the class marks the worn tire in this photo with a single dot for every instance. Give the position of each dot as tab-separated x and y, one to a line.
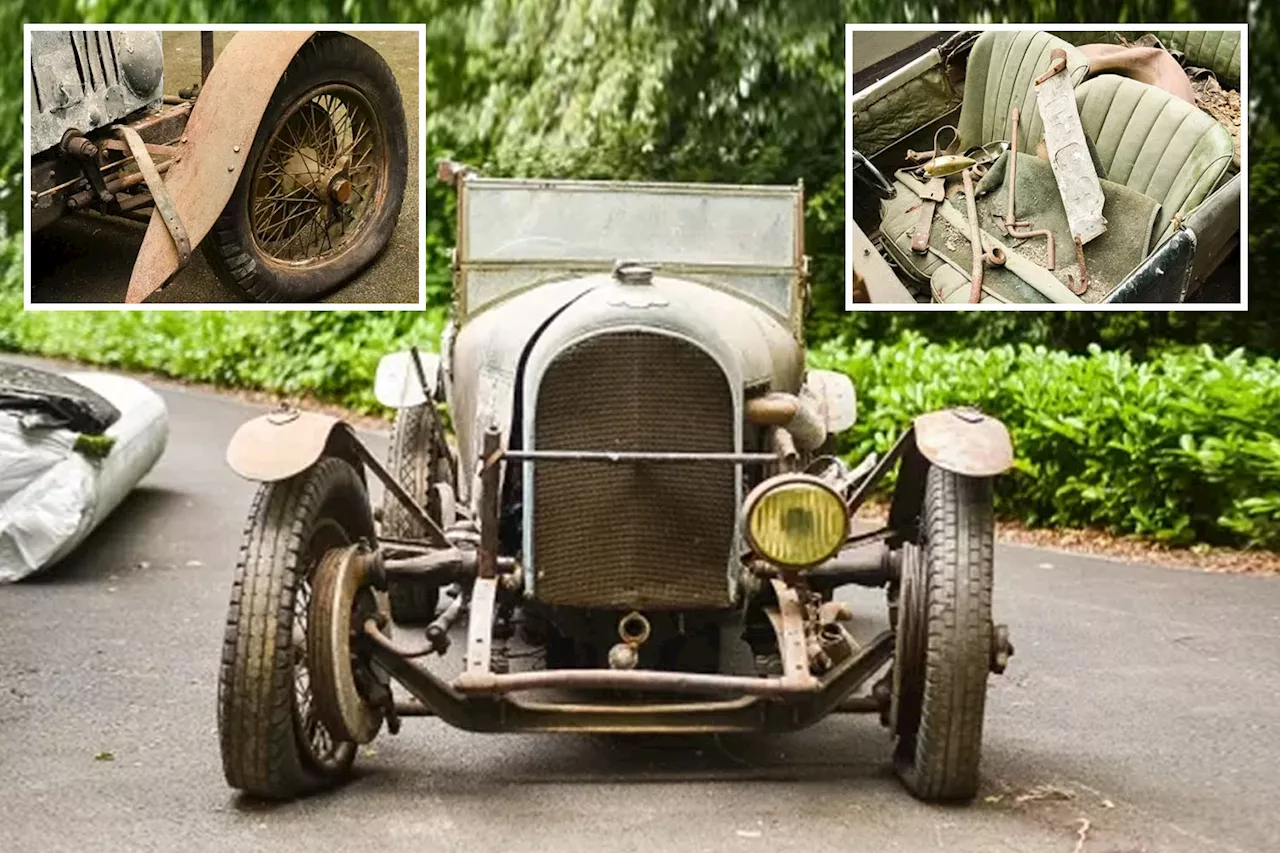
415	460
260	724
230	247
940	730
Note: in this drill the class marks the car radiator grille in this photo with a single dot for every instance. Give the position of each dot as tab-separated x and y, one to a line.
654	535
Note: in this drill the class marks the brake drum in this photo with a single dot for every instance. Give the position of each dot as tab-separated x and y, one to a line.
342	598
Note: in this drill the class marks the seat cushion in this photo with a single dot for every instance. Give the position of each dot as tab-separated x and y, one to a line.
1001	73
1217	50
1154	143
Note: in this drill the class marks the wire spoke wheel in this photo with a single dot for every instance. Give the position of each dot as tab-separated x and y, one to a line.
324	182
319	177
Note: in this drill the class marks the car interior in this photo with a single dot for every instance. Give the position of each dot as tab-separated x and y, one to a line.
1160	114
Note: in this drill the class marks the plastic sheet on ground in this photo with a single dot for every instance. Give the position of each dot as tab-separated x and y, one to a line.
53	495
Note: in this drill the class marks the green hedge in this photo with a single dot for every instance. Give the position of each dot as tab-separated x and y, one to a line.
330	355
1184	447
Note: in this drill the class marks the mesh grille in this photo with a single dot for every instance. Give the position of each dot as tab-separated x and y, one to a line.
633	535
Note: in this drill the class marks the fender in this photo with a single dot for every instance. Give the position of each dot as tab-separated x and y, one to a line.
961	440
965	441
278	445
215	147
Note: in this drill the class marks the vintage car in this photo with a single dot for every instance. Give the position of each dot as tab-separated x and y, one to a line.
639	485
962	192
287	160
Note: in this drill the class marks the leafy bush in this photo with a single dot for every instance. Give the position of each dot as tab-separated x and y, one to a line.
1180	448
330	355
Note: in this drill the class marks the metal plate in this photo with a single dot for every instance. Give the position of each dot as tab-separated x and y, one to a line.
1078	182
218	137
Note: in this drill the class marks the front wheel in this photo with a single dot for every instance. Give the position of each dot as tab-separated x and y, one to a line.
273	743
944	639
322	188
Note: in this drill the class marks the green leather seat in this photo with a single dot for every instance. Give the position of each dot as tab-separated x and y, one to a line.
1001	74
1155	143
1217	50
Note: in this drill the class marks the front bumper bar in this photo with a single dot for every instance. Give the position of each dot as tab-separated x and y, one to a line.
482	702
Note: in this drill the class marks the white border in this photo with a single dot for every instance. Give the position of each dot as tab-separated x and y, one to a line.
27	305
926	27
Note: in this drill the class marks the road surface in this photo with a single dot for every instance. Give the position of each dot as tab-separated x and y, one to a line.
89	258
1141	713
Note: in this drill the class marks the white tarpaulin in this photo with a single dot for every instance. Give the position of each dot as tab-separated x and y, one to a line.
51	495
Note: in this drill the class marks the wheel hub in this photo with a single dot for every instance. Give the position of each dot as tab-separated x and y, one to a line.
342	680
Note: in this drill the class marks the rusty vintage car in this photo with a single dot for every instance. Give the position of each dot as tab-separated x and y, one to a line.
1020	166
287	160
639	517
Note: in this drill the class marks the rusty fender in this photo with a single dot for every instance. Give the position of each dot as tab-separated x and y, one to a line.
215	147
964	441
279	445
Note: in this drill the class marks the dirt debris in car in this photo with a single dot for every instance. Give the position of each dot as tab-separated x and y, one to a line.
1222	104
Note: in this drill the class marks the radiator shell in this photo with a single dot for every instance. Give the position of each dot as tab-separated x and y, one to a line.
646	536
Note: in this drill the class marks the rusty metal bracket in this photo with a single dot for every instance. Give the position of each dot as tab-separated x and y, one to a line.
159	192
480	631
791	636
1057	64
1079	289
934	192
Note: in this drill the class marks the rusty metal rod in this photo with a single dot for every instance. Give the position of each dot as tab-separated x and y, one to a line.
975	236
1009	220
1011	225
633	679
434	534
1080	289
490	503
206	55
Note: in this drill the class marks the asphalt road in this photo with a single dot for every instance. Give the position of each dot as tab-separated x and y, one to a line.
1141	713
89	258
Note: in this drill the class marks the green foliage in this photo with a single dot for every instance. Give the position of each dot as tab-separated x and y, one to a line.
1180	448
331	355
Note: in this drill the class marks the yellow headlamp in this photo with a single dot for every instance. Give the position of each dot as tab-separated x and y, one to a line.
795	520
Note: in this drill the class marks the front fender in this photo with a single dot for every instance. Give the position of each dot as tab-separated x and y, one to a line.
215	147
279	445
965	441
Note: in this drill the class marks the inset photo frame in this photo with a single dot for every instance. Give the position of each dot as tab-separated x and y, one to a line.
1048	167
233	167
